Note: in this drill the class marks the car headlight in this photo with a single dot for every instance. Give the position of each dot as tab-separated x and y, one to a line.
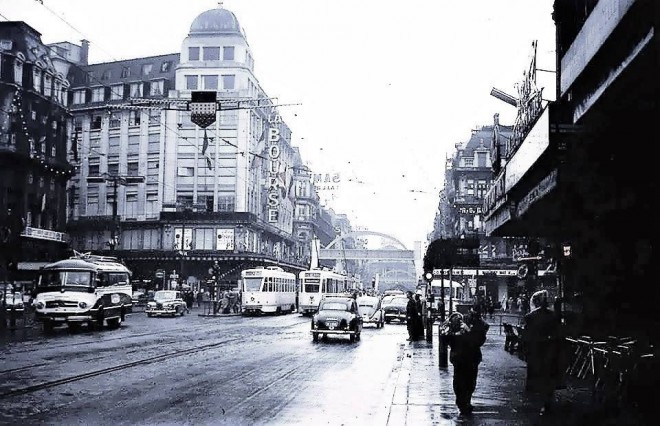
82	305
40	305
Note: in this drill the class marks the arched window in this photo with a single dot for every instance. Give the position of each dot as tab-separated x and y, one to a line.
18	68
37	72
48	83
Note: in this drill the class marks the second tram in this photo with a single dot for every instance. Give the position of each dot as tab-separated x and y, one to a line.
268	290
315	284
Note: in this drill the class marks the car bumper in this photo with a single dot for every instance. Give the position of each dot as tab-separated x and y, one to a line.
322	331
161	311
391	316
62	317
366	320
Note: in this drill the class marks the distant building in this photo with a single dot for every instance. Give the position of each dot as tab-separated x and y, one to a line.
34	143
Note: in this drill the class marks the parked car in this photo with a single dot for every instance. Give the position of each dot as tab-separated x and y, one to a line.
337	316
14	299
166	302
395	309
371	310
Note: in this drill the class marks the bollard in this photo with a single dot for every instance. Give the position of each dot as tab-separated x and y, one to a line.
429	326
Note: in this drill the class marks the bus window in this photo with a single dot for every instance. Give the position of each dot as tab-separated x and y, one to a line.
252	284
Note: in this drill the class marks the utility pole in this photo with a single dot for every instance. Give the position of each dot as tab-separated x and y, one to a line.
116	180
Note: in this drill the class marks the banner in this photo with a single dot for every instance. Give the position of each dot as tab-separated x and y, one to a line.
225	239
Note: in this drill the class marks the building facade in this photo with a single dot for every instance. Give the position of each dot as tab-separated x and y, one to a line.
34	141
234	192
577	175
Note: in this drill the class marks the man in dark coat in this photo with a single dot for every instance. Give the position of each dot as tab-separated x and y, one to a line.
541	347
465	337
412	316
420	317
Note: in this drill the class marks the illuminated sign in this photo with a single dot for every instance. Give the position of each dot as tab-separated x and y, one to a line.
539	191
326	181
470	210
44	234
274	180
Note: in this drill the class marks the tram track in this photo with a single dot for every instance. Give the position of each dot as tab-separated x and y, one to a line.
79	377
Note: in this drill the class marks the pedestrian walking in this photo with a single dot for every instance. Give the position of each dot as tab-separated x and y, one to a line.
541	346
412	316
420	317
465	336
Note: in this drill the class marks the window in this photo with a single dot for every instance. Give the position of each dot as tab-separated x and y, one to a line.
113	169
193	53
154	117
106	75
18	71
204	238
133	169
134	118
125	72
113	141
52	185
186	171
146	69
98	94
468	161
226	203
228	82
115	121
210	82
79	97
136	90
131	205
93	170
228	53
151	238
96	122
470	187
48	84
36	79
151	209
157	88
211	53
53	151
191	82
165	66
117	92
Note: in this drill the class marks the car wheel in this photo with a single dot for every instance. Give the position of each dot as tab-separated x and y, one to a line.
351	338
183	312
74	327
315	337
48	326
357	337
387	321
149	314
114	322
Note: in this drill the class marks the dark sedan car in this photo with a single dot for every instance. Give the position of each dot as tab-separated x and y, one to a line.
338	316
395	309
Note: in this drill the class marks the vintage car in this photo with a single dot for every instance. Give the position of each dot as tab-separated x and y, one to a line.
166	302
337	316
11	299
395	308
371	310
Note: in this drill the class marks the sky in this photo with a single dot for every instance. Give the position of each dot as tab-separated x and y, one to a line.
386	89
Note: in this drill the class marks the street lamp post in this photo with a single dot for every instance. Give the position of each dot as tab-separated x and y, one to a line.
116	180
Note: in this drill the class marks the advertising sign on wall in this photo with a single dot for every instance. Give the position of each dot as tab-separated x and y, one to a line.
225	238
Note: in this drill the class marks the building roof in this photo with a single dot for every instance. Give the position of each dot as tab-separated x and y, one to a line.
126	71
215	21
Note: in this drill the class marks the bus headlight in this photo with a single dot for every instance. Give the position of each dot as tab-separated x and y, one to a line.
82	305
40	305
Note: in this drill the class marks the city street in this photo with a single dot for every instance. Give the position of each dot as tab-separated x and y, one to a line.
198	370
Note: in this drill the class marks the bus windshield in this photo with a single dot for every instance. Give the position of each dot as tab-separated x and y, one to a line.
312	288
59	279
252	284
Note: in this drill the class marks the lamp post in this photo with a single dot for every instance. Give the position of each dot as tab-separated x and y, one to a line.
116	180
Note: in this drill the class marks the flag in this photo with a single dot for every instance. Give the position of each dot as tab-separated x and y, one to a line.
208	163
74	146
205	145
43	202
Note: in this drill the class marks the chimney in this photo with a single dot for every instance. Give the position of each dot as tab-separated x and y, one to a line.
84	52
496	119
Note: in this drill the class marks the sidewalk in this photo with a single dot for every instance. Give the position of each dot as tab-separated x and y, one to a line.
423	394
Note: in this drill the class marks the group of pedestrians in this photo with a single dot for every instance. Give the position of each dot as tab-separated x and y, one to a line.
465	334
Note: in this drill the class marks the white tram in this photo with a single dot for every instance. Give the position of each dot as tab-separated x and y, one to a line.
268	290
315	284
83	289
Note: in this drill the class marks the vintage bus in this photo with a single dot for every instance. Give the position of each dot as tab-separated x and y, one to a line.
85	289
316	283
268	290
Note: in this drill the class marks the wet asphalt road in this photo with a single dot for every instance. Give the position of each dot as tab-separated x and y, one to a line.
195	370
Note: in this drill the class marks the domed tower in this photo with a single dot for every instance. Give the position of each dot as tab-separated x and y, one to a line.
215	55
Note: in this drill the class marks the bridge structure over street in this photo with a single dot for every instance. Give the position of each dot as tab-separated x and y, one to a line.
397	263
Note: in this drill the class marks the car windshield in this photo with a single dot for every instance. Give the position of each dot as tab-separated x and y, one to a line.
334	306
65	278
165	295
367	303
398	301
